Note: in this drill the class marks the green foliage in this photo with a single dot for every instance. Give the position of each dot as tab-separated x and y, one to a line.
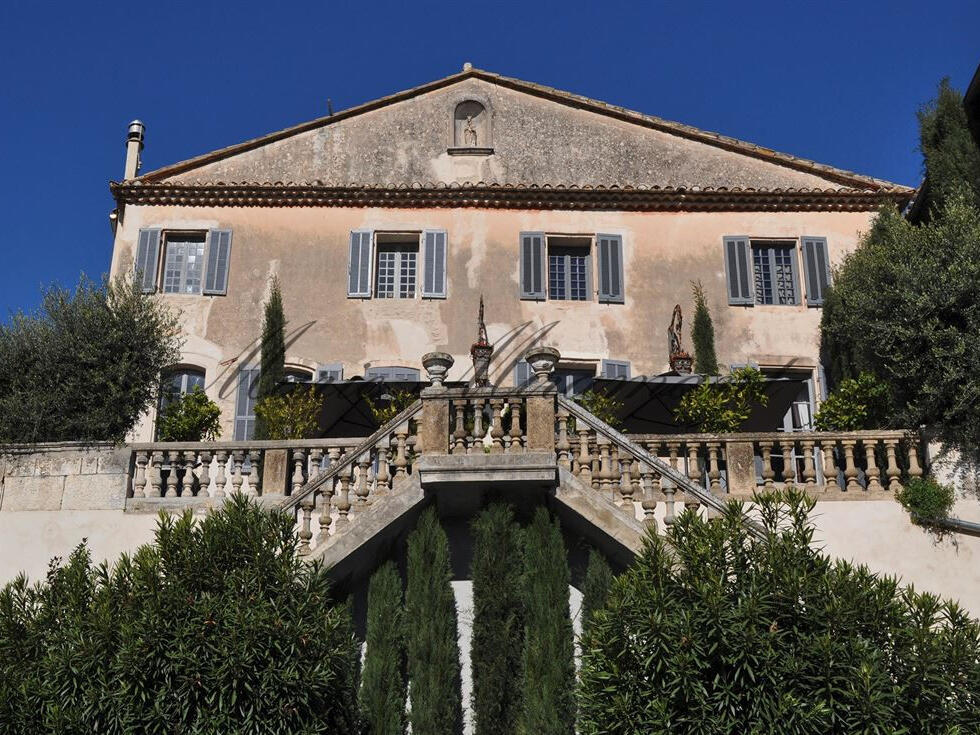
86	365
715	631
385	409
951	157
905	307
191	417
498	621
703	334
218	626
290	416
603	407
433	646
549	667
722	407
856	404
595	592
272	368
926	499
383	692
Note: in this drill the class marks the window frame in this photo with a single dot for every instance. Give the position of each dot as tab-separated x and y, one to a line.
371	373
587	246
185	372
772	244
399	249
170	237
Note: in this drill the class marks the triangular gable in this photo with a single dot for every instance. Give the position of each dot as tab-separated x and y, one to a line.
539	137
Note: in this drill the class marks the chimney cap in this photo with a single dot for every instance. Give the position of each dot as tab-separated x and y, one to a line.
136	131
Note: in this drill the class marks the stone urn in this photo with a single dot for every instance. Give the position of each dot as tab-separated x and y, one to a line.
681	362
437	364
542	361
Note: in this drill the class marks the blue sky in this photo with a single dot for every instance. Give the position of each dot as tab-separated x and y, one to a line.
838	82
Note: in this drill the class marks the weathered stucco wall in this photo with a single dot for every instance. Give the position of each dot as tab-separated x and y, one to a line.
308	249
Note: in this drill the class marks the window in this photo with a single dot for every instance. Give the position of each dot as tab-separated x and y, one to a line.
774	272
616	369
193	262
179	383
393	374
386	265
297	375
248	386
572	382
559	267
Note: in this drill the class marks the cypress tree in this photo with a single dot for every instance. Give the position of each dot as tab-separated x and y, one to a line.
434	673
703	334
498	621
598	580
273	360
549	664
382	696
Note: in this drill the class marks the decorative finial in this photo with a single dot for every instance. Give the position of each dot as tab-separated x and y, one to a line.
467	66
481	328
481	352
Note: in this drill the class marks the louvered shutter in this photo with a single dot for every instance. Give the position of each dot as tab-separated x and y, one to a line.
329	373
359	264
434	275
219	256
738	270
616	369
816	269
522	373
147	258
610	254
394	374
248	379
532	265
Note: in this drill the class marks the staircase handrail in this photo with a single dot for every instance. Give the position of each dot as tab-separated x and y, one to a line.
350	457
679	479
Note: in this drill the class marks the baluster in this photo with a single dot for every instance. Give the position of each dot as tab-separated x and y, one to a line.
139	478
220	479
515	426
562	446
768	473
809	467
497	426
172	475
651	488
362	489
401	456
343	497
156	474
326	494
204	481
892	472
255	473
237	460
850	471
623	467
871	472
305	534
693	472
829	468
187	486
636	478
714	472
381	478
914	469
670	488
789	466
314	458
605	471
618	487
459	436
476	447
299	461
596	462
584	458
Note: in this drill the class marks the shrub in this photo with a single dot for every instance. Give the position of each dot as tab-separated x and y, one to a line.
385	409
722	407
713	630
855	404
382	697
291	416
498	621
86	365
601	405
433	646
703	334
549	666
218	626
192	417
926	499
595	591
272	368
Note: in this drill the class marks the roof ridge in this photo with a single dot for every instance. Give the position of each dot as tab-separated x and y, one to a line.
842	176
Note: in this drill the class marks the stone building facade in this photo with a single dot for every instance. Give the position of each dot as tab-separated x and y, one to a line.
582	224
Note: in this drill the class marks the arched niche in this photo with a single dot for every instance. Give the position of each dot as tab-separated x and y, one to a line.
471	127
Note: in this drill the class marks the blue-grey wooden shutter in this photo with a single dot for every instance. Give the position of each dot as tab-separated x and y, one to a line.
393	373
522	373
610	255
532	265
434	273
359	264
816	269
147	258
248	384
219	256
738	270
616	369
329	373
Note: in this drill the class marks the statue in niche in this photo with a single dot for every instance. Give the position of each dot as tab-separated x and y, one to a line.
469	133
